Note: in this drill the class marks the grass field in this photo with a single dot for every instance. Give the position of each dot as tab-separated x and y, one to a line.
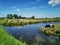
6	39
52	31
21	22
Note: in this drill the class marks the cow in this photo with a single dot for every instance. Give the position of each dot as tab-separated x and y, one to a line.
50	26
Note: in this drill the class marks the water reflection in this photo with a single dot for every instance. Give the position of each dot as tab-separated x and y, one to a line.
31	34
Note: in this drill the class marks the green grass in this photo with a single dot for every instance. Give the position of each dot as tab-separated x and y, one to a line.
51	31
6	39
21	22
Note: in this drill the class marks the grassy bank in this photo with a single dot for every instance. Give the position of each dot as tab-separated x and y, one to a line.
52	31
21	22
6	39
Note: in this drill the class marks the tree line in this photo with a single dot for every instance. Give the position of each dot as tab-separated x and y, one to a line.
15	16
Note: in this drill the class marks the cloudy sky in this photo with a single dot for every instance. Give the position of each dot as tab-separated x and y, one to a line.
37	8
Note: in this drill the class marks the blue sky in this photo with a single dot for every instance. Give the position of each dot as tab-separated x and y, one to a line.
28	8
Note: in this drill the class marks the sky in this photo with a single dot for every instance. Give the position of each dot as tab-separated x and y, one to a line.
28	8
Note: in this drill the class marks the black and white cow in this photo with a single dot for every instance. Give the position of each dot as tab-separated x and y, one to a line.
50	26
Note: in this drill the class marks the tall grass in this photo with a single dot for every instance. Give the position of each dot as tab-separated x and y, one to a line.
21	22
52	31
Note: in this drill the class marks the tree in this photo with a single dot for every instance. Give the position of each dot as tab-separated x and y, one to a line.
33	17
20	17
10	16
45	17
16	16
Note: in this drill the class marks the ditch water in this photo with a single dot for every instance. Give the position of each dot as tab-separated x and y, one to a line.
31	34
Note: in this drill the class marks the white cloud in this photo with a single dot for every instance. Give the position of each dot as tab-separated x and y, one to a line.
17	9
53	2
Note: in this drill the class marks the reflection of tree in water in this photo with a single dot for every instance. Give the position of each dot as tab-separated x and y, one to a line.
29	40
58	41
36	40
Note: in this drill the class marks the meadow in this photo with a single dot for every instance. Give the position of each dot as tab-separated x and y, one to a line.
21	22
51	31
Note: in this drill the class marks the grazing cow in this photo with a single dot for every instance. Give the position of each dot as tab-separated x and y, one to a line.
50	26
47	26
